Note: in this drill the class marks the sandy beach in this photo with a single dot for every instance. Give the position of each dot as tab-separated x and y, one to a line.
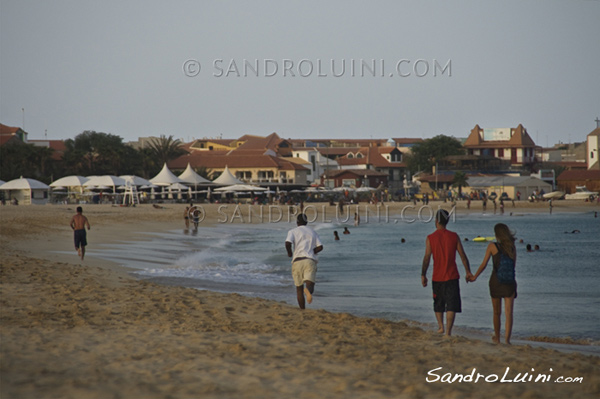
87	329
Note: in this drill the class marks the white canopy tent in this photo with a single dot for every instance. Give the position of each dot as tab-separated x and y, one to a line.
27	191
189	176
227	179
165	177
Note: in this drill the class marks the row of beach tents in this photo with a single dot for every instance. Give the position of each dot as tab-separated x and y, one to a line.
33	191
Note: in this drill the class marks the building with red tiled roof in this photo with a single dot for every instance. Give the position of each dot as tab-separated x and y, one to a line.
7	133
354	178
569	179
388	160
251	168
511	144
58	147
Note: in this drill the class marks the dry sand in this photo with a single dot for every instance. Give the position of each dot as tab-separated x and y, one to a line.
72	329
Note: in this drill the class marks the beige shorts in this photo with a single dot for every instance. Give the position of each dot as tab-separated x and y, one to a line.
304	270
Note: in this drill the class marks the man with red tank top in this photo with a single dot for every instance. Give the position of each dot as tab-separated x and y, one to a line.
443	245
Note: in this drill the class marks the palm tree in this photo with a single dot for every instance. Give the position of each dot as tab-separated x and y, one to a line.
165	149
460	181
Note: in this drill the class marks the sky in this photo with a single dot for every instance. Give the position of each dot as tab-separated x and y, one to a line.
302	69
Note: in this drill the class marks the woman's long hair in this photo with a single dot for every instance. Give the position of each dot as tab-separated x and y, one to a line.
506	239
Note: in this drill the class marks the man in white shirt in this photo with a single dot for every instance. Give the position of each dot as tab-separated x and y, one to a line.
307	245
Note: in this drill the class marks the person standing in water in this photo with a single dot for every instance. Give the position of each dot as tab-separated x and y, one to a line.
501	289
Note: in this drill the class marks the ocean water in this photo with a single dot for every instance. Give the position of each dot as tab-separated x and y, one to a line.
370	272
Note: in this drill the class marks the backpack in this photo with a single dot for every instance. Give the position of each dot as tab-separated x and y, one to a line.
506	268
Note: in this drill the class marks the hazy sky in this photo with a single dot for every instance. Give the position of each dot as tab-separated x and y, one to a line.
120	67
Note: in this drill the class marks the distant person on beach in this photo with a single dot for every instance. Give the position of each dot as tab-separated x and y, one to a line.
78	224
195	216
443	245
186	217
306	245
346	231
502	281
356	219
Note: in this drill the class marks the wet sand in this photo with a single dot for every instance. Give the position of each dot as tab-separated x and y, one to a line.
73	329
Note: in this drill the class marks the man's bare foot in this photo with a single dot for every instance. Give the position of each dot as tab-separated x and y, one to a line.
79	252
441	330
308	295
508	342
495	340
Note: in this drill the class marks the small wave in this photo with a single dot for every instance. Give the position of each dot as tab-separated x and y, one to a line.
222	266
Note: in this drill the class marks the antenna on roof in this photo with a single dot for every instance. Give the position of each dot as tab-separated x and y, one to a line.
597	123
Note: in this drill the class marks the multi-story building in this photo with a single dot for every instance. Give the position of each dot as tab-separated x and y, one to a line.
509	144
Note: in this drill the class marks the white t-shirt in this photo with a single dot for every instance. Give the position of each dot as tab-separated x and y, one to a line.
304	241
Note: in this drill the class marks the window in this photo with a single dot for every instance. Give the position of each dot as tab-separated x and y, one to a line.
350	155
592	155
359	155
500	152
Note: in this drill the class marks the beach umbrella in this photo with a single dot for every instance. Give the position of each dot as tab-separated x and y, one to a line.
106	180
178	186
134	180
26	188
2	182
24	184
148	186
70	181
240	188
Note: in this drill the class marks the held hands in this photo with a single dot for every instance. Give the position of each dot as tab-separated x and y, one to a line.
471	278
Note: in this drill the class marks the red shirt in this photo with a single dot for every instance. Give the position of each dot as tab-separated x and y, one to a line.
443	247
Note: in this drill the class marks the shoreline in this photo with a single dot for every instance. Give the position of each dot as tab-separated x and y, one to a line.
56	248
118	336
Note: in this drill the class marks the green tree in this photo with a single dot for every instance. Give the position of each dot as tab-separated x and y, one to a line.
165	149
96	153
424	154
460	181
21	159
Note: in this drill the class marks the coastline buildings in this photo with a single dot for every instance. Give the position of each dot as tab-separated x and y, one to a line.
509	144
590	177
353	163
